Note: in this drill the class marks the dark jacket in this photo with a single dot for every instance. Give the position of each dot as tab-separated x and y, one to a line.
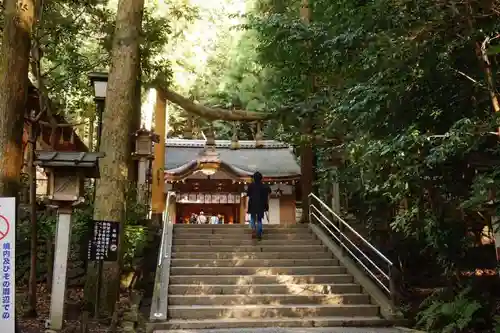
258	196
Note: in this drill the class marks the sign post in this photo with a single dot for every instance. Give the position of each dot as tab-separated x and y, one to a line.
103	246
7	278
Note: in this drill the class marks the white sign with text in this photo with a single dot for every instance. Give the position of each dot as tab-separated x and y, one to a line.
7	264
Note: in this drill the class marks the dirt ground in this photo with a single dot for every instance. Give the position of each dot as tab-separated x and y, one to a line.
72	323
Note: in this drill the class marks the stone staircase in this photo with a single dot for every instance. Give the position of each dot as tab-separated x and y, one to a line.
221	278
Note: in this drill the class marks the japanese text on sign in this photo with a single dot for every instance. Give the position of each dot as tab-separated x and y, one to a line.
103	244
6	284
7	276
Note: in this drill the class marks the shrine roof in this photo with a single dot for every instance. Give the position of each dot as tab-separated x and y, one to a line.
244	144
66	159
273	159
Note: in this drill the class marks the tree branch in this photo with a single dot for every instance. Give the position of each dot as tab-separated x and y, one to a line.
60	125
46	123
213	113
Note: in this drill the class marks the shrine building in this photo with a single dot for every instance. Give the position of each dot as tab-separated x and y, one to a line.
212	178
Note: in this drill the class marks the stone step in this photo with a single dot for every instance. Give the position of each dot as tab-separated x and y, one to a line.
239	226
249	323
242	231
244	242
270	311
195	300
242	235
252	262
261	271
248	248
260	279
280	329
257	289
252	255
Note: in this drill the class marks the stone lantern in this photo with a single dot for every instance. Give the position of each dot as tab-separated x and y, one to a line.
144	143
66	174
143	153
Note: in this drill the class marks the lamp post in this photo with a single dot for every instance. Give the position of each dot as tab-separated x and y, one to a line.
99	81
66	177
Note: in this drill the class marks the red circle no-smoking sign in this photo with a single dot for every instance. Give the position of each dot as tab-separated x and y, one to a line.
4	227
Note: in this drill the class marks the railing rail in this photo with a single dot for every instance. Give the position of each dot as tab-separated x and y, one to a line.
378	267
159	306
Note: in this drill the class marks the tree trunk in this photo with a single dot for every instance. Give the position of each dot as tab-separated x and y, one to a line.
50	261
307	151
90	143
31	311
135	124
18	23
307	177
118	115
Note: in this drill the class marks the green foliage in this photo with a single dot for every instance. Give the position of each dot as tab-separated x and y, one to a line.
134	243
398	90
454	315
70	35
75	39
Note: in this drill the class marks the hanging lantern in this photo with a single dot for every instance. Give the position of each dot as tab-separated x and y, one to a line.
210	136
61	137
188	130
259	136
235	144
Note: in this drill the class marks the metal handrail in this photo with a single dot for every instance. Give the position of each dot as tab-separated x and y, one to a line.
162	255
162	242
348	245
160	284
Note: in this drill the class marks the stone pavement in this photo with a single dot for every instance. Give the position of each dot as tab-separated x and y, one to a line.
290	330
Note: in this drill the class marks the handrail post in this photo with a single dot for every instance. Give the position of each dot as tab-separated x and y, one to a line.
309	210
341	236
394	284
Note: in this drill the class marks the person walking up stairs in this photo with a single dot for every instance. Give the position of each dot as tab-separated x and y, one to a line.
258	203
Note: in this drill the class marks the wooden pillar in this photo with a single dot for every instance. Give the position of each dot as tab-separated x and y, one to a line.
172	207
336	195
63	237
158	172
243	212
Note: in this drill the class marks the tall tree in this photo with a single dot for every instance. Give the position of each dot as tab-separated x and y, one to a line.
117	118
18	24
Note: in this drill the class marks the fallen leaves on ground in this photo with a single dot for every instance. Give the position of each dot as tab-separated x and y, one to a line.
72	322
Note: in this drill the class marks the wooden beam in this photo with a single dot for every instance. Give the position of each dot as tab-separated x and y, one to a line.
213	113
158	178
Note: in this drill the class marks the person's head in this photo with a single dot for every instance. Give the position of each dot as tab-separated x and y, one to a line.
257	177
201	213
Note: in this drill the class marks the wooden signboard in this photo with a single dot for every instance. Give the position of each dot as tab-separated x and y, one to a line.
208	199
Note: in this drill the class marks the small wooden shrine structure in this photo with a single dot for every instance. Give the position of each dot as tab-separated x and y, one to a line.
211	177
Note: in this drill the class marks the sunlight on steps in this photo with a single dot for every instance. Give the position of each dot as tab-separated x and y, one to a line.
221	278
294	330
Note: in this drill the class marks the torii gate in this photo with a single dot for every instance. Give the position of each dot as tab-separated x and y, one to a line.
162	95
